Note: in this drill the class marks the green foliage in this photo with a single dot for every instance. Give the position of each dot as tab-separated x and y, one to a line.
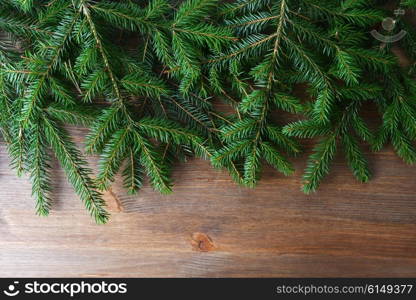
285	43
142	75
76	52
325	45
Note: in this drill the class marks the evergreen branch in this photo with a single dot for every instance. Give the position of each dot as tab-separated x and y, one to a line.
130	16
39	174
192	10
133	174
37	88
25	5
159	66
93	84
252	165
170	132
306	129
279	34
72	115
86	12
189	113
112	157
145	85
74	166
276	160
246	44
105	125
355	158
230	9
318	163
153	162
229	153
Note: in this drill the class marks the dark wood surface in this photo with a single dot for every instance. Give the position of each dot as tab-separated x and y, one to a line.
211	227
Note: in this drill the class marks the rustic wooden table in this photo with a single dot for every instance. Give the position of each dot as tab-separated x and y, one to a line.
210	227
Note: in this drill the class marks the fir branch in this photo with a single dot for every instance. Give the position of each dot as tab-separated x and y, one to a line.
158	66
74	166
318	163
133	173
153	162
39	173
112	157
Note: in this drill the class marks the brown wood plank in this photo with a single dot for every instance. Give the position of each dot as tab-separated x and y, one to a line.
212	227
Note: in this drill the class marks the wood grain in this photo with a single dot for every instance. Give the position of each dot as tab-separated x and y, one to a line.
212	228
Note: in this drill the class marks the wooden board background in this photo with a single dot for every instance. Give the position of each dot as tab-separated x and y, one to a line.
210	227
